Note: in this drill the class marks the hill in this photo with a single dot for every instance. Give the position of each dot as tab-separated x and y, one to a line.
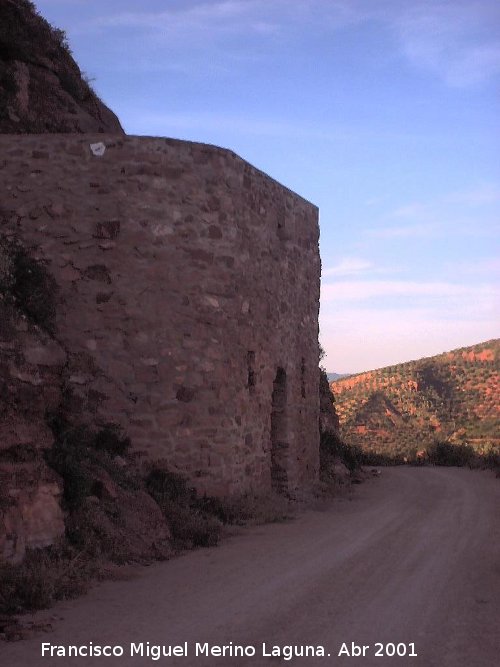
400	409
336	376
41	87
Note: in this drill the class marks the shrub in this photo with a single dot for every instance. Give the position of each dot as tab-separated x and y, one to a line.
110	515
190	523
26	284
443	453
77	87
70	457
45	576
247	508
332	446
191	527
8	80
375	458
164	485
21	27
491	459
110	440
78	453
34	289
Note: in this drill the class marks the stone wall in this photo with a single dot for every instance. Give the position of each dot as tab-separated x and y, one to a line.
187	303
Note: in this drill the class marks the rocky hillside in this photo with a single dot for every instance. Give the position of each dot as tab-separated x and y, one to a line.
41	90
400	409
41	86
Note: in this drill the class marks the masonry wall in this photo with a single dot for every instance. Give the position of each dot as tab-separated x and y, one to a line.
188	299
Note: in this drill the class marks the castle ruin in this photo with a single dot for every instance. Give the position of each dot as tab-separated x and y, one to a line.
187	300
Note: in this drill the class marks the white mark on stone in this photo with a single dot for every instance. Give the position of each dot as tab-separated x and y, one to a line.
149	361
159	183
212	301
207	366
78	379
107	245
161	229
98	149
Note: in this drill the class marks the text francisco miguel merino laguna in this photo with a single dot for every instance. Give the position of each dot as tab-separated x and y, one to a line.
157	652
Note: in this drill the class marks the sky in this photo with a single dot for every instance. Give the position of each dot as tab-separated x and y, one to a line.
383	113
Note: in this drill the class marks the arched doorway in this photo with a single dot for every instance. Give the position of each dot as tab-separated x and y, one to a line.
279	434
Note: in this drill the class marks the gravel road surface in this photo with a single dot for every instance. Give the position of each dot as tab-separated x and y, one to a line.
410	562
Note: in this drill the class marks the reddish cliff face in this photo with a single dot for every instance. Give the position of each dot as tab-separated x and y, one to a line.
31	364
41	86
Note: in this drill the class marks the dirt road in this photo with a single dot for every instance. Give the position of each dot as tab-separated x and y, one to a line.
412	559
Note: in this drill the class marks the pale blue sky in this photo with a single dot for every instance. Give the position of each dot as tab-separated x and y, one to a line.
384	113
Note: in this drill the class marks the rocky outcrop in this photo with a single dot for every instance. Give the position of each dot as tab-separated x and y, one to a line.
41	86
31	363
30	511
328	419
